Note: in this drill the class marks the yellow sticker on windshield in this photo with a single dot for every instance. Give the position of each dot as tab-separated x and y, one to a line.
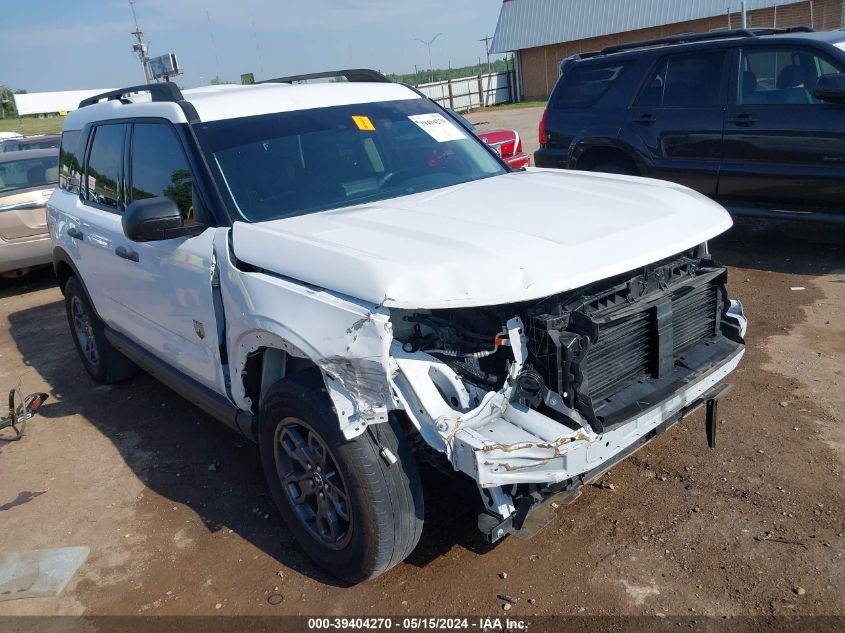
364	123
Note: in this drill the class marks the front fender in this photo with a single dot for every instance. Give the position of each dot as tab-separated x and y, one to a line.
349	340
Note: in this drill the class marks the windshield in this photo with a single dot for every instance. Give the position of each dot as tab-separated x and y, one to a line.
293	163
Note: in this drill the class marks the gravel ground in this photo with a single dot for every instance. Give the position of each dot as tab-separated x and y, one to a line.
179	521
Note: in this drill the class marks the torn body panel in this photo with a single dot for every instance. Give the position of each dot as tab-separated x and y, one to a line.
349	340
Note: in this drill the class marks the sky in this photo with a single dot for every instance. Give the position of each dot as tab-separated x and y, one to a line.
80	44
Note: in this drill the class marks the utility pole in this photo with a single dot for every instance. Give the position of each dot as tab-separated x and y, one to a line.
139	47
745	14
486	39
428	46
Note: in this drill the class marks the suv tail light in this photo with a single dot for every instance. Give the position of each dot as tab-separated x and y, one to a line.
543	137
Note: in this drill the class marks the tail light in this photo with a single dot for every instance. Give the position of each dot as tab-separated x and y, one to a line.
543	137
518	146
507	148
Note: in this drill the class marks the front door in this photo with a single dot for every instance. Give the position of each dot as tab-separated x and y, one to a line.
783	148
677	119
164	288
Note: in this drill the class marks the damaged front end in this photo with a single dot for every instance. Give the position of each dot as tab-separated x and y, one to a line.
533	400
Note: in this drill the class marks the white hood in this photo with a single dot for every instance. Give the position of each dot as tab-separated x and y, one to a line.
516	237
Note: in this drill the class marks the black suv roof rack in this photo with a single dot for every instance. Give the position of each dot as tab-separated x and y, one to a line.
352	74
703	37
166	91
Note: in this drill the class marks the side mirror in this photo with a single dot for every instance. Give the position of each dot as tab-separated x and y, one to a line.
831	88
153	219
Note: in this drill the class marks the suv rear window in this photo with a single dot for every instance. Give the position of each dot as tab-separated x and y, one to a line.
26	173
582	85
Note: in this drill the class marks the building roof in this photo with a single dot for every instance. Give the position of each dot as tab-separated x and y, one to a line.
529	23
49	102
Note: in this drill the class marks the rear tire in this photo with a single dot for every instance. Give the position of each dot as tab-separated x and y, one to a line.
99	357
621	167
370	516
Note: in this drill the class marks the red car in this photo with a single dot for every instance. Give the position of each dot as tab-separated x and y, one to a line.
508	144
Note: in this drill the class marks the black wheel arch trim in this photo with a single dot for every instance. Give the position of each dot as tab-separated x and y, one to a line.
61	257
582	145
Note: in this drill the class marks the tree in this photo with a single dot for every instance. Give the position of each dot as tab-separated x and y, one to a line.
7	102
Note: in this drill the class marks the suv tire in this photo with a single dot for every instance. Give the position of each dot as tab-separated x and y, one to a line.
101	360
357	515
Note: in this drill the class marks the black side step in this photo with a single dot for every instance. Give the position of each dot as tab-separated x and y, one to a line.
199	395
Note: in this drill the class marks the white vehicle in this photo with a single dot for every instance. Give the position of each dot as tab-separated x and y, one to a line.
343	273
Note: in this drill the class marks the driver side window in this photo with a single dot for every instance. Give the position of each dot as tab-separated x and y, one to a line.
780	76
160	169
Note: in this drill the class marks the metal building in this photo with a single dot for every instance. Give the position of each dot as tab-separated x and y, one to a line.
52	102
541	33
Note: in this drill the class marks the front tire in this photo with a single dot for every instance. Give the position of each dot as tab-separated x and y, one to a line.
352	512
99	357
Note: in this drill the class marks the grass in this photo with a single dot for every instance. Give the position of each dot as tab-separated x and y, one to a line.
31	125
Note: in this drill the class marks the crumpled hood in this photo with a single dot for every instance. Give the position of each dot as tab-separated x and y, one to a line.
515	237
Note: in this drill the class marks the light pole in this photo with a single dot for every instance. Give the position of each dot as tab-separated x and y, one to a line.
428	46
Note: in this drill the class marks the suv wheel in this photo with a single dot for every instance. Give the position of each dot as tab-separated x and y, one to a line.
101	360
353	513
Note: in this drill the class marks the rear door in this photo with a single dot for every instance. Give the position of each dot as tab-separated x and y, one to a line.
676	120
783	148
25	187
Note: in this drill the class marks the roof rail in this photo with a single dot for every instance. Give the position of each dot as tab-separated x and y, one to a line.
686	38
166	91
353	74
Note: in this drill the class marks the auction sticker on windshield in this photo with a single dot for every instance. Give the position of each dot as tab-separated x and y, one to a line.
438	127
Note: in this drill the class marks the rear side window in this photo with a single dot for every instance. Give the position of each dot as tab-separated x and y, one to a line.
159	167
105	166
582	85
685	81
27	173
70	163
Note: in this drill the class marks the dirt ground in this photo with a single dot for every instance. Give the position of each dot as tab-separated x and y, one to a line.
179	521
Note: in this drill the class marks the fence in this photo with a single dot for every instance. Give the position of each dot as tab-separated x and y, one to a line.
467	93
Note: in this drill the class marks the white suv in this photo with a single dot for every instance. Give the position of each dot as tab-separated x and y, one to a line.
343	273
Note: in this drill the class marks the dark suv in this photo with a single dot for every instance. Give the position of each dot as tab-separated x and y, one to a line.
753	118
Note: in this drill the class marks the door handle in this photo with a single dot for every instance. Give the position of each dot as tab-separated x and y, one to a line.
743	119
647	119
126	253
74	232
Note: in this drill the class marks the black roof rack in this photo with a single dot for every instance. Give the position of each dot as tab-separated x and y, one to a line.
686	38
166	91
352	74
